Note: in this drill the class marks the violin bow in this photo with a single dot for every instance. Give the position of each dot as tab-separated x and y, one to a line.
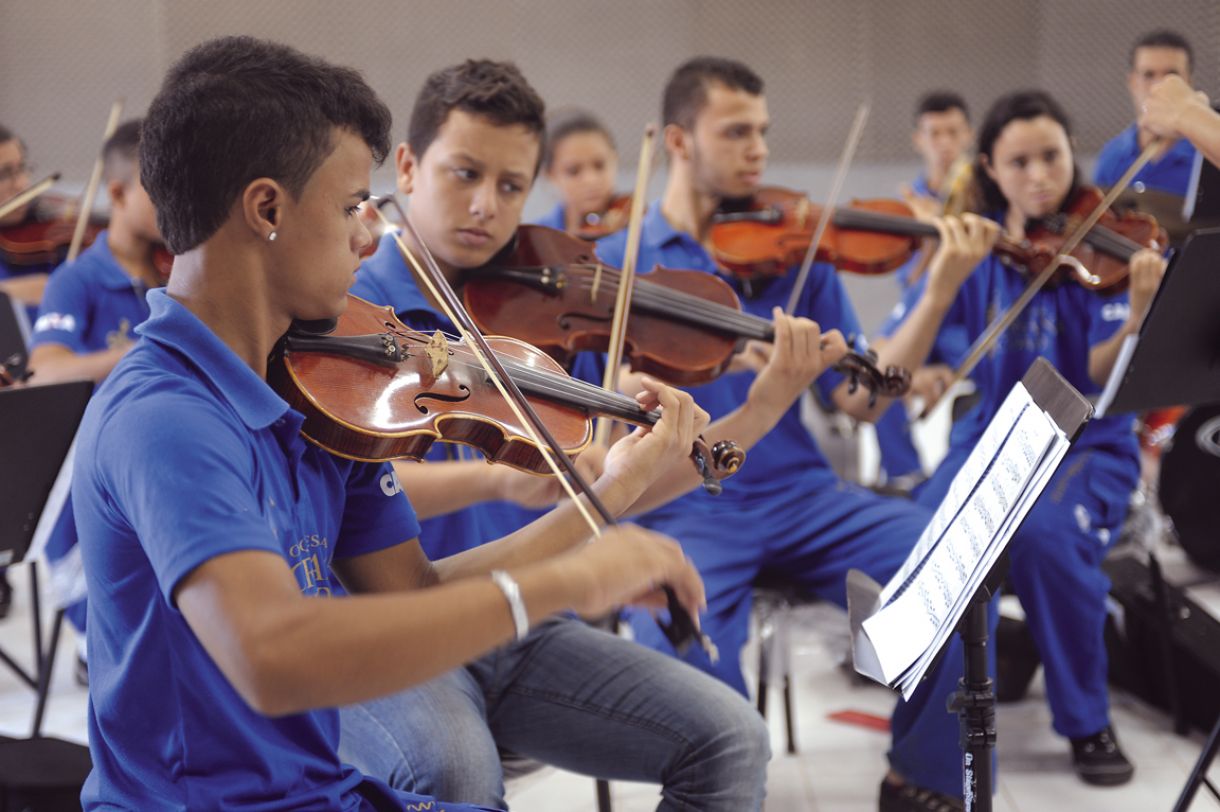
681	630
984	343
95	179
849	151
626	280
29	193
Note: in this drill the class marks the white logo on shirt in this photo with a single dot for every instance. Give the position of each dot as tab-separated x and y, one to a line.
55	321
1115	311
390	485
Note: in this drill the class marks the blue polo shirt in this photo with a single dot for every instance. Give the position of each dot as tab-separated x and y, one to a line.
787	459
90	304
555	218
1170	174
185	455
385	279
1061	324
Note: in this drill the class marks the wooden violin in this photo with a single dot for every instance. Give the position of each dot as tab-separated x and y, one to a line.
613	217
373	389
877	236
685	326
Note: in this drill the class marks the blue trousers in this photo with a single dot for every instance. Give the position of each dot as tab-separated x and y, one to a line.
1055	569
815	536
574	697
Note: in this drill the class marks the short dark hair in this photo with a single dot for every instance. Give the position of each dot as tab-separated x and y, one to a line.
1023	105
1163	38
121	152
686	91
571	122
496	91
941	101
235	109
8	135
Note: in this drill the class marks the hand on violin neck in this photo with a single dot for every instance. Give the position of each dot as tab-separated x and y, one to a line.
638	460
798	355
1168	102
964	242
928	385
1147	268
629	565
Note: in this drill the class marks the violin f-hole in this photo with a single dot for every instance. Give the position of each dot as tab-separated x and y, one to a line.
422	396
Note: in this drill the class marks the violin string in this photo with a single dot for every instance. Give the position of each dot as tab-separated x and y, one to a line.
548	449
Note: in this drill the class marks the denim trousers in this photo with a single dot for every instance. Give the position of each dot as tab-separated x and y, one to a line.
574	697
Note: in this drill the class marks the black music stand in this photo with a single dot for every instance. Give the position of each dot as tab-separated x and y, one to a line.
974	700
14	336
33	466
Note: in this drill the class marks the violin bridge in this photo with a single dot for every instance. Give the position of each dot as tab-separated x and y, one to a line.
597	281
802	211
437	350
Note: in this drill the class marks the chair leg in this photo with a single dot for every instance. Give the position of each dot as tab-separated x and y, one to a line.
766	637
603	795
784	645
46	666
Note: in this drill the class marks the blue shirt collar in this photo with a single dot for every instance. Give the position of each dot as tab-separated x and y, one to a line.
389	270
110	273
172	325
657	231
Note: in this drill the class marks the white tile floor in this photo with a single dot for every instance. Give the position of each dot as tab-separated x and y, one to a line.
838	766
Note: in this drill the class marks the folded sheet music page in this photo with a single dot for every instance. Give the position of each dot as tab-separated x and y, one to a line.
995	488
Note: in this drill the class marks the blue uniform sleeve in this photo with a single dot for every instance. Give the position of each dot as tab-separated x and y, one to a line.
610	249
825	301
952	340
64	314
186	486
1109	168
1106	314
377	514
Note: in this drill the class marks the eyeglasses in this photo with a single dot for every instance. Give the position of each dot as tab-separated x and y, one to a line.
7	173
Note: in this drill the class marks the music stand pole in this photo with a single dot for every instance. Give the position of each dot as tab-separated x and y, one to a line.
974	704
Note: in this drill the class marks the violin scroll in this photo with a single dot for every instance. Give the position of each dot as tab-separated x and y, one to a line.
861	370
720	461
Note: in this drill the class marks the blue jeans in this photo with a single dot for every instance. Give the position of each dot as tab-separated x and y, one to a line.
576	698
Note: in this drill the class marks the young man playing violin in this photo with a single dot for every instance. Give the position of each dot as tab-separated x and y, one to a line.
1026	171
85	323
942	136
1154	56
786	511
567	694
213	533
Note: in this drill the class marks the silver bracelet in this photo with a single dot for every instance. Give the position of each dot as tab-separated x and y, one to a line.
512	593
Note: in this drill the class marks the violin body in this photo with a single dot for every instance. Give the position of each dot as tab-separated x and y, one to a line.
553	277
770	233
377	410
598	224
44	235
1105	252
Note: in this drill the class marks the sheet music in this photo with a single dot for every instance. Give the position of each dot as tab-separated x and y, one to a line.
987	500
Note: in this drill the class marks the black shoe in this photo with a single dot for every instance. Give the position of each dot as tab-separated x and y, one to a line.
1099	760
906	798
82	672
6	594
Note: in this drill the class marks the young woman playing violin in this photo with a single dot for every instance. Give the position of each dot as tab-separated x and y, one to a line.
21	276
581	162
1027	173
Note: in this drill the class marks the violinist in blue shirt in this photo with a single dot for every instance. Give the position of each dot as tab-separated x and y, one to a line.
1154	56
786	511
559	696
1026	171
87	322
22	282
214	534
942	137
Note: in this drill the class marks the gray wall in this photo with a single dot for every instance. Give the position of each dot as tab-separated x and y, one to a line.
62	62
